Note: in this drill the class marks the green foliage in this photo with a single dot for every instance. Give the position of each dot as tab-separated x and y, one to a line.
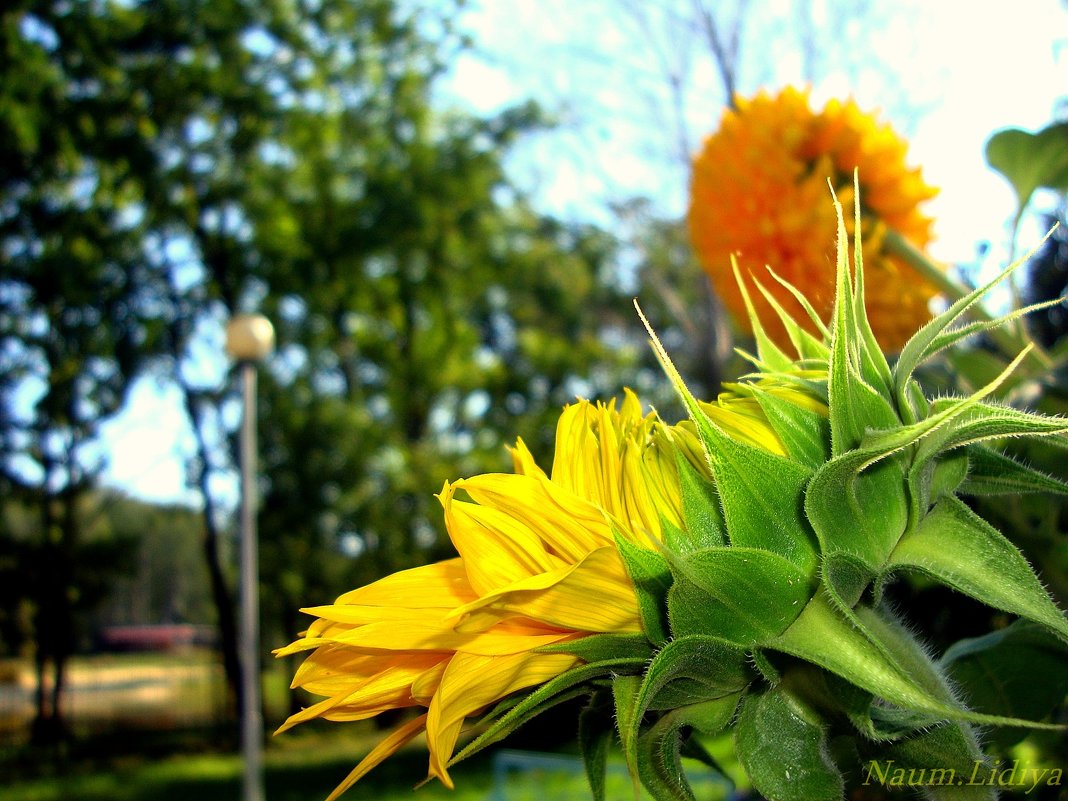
1031	161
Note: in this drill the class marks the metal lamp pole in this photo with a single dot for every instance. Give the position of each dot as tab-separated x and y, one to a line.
249	339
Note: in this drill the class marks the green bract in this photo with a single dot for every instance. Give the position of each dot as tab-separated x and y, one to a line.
765	613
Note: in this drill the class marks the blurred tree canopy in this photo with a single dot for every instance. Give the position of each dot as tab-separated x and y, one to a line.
166	164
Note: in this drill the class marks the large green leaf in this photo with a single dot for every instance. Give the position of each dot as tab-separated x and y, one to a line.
1020	671
783	747
1031	161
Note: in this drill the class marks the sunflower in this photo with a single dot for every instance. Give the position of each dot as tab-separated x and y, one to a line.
537	565
758	190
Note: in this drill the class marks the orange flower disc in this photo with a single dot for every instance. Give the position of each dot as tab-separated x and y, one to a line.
759	191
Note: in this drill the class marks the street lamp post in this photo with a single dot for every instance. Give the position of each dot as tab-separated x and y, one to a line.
249	339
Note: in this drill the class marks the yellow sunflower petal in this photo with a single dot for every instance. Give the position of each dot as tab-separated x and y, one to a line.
472	682
595	595
389	746
436	585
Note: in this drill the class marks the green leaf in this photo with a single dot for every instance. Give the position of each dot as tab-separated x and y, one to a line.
659	748
1020	671
783	748
994	473
625	691
1031	161
649	572
957	547
744	595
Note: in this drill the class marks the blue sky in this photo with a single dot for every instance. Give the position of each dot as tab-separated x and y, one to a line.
945	74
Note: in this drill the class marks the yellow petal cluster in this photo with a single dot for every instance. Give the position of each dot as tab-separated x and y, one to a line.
537	565
758	190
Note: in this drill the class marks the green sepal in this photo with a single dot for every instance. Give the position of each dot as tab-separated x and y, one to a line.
595	739
948	475
783	748
961	550
771	356
762	497
855	405
923	343
659	749
993	473
973	422
946	754
603	647
651	576
824	636
873	365
564	687
860	514
822	351
905	650
955	336
625	690
701	515
833	696
1019	671
760	492
806	345
805	433
744	595
765	666
709	667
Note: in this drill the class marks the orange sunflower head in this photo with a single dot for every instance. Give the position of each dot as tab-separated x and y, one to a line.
758	191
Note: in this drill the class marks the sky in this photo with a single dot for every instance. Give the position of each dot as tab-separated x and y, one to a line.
944	74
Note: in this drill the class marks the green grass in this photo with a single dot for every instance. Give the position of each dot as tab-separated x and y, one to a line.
307	767
304	769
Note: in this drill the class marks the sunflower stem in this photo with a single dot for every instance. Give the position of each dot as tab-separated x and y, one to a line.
1009	342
